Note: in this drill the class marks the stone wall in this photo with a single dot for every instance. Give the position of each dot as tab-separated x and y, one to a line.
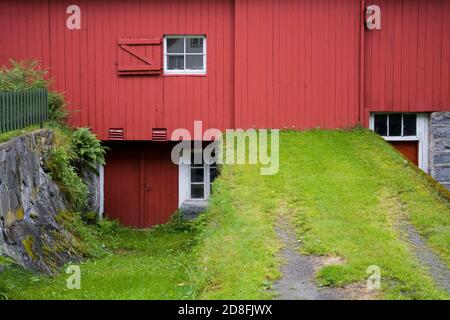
440	147
29	204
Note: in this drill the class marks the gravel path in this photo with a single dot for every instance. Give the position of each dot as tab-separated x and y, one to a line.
298	271
437	269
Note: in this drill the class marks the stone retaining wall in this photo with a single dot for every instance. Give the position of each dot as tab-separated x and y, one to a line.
440	147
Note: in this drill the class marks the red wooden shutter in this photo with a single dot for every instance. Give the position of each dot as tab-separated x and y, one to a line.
139	56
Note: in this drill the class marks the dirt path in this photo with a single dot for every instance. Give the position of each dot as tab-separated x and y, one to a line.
298	271
436	268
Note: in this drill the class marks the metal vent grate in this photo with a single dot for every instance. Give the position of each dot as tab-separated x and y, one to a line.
159	134
115	134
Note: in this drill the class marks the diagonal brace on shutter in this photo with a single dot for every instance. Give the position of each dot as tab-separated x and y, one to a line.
150	66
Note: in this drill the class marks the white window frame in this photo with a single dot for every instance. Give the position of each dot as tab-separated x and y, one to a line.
421	135
184	71
184	184
206	182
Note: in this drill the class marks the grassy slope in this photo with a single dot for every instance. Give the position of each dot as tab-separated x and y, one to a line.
238	247
347	191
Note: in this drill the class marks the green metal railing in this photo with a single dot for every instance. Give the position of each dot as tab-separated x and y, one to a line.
20	109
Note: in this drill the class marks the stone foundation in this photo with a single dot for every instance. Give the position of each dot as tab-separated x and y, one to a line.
191	209
440	147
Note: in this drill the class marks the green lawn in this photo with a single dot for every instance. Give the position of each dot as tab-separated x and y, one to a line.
144	265
347	191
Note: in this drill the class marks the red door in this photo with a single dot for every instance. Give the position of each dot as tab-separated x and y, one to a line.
141	184
409	149
160	186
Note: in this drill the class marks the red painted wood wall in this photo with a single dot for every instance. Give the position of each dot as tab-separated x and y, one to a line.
83	62
296	63
407	62
271	63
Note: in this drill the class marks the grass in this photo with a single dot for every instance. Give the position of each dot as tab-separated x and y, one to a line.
6	136
347	192
237	251
229	253
148	264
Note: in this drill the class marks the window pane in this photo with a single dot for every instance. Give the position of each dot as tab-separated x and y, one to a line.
197	191
197	174
175	62
395	125
194	62
175	45
409	124
381	124
194	45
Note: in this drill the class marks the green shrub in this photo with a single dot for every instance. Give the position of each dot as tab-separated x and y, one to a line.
88	150
57	111
72	152
23	75
90	217
26	75
62	171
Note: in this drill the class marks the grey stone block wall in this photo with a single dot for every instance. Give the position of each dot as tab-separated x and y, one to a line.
191	209
440	147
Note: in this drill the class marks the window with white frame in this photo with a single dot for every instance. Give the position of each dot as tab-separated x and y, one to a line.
185	54
395	124
400	127
201	175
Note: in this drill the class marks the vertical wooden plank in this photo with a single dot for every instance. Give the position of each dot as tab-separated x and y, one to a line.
437	9
444	102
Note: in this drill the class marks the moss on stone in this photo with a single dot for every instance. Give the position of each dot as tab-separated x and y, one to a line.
10	217
28	244
20	214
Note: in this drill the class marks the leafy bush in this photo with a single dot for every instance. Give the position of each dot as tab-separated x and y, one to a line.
57	111
62	171
26	75
74	151
87	149
23	75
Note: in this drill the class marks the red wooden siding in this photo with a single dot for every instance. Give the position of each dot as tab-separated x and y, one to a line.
24	27
296	63
83	63
141	183
407	62
270	63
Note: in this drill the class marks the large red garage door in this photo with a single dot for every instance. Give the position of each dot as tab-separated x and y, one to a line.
141	184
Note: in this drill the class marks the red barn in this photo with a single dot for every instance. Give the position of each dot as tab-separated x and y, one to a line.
134	71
